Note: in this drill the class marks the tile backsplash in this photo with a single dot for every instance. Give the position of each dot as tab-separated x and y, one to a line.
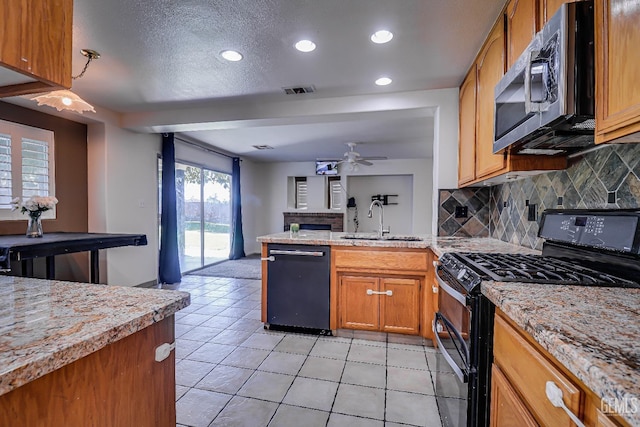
476	223
611	173
607	178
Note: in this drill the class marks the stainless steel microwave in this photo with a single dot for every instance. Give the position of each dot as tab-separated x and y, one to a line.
545	103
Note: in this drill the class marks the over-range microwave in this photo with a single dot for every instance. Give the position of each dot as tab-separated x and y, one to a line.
545	103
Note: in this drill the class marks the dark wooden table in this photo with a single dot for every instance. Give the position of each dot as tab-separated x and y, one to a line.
25	249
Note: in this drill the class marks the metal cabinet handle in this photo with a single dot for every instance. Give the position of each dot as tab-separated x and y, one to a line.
297	253
554	394
434	289
436	263
269	258
372	292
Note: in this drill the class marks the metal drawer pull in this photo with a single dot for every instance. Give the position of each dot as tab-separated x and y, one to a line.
554	394
372	292
434	289
297	253
269	258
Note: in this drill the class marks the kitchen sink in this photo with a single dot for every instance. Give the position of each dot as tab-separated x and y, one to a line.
395	237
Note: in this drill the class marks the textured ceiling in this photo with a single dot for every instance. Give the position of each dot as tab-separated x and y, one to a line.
163	55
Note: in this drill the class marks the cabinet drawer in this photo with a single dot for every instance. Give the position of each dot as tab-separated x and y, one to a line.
381	260
528	372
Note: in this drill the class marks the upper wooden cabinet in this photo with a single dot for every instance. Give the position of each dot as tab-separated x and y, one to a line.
547	8
490	67
35	46
617	71
521	23
467	149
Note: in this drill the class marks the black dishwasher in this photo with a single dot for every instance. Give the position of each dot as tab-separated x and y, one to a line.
298	282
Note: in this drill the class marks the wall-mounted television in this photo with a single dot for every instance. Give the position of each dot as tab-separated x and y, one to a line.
326	167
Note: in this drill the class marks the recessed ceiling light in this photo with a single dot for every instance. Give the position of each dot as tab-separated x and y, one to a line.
305	46
382	36
231	55
383	81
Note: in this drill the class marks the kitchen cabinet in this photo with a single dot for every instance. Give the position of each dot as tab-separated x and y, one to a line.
521	23
617	71
520	372
35	46
380	304
382	289
490	67
467	148
476	161
119	385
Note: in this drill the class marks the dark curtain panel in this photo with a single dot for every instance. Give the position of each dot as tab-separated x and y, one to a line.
169	269
237	239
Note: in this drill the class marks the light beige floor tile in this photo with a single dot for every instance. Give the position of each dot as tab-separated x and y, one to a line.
341	420
366	374
296	344
211	352
407	359
283	363
243	357
311	393
225	379
367	354
412	380
360	401
413	409
186	347
245	412
262	341
201	333
231	337
266	386
294	416
322	368
189	372
331	350
198	408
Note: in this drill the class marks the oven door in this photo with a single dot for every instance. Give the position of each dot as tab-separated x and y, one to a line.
453	372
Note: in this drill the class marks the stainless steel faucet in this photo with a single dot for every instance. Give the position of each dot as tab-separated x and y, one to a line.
381	231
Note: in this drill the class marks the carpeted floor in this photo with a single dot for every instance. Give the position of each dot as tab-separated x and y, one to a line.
244	268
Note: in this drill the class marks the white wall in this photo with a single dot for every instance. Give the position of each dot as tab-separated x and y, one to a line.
123	198
399	218
275	176
254	188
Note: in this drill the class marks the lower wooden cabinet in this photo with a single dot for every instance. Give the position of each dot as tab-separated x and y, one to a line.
506	407
380	304
519	376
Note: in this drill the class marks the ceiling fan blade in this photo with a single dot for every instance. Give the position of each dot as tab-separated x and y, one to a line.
364	162
375	158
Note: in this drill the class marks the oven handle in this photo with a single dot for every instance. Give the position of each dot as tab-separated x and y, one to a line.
458	371
448	289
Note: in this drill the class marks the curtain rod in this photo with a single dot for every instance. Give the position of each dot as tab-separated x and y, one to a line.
204	148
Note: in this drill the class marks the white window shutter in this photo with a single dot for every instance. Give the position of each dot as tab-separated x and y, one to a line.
5	172
35	168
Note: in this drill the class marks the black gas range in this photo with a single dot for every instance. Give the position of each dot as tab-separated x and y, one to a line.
581	247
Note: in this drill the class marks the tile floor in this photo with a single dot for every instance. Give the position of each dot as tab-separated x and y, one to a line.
230	371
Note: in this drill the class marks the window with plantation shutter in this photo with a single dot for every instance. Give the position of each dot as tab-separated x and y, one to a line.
302	192
335	192
5	172
26	166
35	168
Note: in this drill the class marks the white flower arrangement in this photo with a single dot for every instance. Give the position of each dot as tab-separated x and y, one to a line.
34	206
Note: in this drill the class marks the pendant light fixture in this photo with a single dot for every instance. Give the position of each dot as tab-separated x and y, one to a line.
65	99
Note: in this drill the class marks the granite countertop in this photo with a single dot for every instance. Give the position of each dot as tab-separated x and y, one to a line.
47	324
592	331
439	245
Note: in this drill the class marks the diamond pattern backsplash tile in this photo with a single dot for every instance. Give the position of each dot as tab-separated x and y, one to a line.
586	184
476	223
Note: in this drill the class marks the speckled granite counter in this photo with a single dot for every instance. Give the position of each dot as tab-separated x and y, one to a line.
593	332
439	245
46	324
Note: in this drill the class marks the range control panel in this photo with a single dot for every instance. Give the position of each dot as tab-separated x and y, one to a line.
615	230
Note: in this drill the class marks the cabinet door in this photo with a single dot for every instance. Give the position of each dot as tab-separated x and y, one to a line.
48	46
467	143
521	16
490	69
617	70
506	407
400	311
548	8
359	310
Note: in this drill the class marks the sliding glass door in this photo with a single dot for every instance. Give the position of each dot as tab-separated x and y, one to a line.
203	204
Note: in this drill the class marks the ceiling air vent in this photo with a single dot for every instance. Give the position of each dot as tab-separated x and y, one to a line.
263	147
299	89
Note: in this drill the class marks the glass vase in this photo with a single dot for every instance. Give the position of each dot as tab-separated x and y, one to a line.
34	227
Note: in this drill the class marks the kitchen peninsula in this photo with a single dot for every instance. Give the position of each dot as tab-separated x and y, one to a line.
81	354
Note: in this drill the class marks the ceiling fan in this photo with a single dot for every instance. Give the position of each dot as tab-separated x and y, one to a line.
353	158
